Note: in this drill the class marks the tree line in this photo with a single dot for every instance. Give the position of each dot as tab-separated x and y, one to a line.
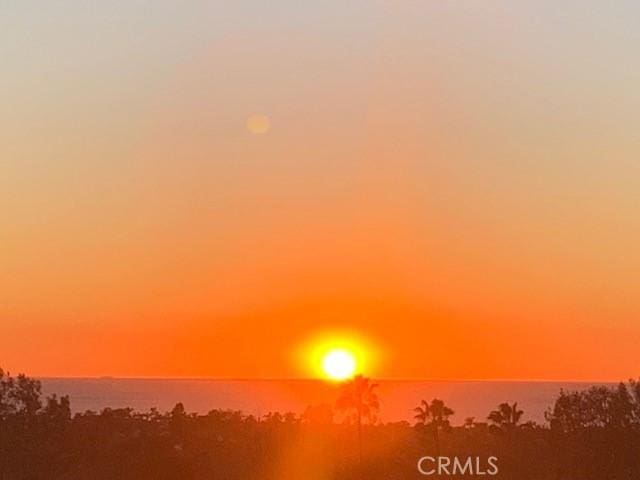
590	434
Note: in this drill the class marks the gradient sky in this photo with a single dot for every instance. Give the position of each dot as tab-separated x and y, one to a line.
456	181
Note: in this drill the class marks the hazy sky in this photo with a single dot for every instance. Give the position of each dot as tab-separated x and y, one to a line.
457	181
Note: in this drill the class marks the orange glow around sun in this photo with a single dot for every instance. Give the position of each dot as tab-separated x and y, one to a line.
338	356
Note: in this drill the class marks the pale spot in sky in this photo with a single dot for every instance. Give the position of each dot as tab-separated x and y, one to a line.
258	124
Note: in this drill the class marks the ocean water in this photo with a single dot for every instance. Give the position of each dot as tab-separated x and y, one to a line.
259	397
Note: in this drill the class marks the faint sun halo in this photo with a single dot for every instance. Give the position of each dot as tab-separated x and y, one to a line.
258	124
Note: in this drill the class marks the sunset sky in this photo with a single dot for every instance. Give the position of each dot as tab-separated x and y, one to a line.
204	188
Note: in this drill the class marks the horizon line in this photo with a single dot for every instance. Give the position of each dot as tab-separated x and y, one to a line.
324	380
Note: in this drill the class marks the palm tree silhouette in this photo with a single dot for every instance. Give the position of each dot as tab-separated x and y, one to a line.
506	416
434	415
359	401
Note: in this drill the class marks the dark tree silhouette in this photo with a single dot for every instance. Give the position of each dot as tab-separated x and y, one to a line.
634	389
359	401
18	395
469	422
318	415
506	416
597	407
592	435
435	416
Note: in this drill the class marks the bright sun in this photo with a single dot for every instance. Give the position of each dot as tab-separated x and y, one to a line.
336	355
339	364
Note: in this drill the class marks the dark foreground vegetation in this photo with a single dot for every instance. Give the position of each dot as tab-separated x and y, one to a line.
593	434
